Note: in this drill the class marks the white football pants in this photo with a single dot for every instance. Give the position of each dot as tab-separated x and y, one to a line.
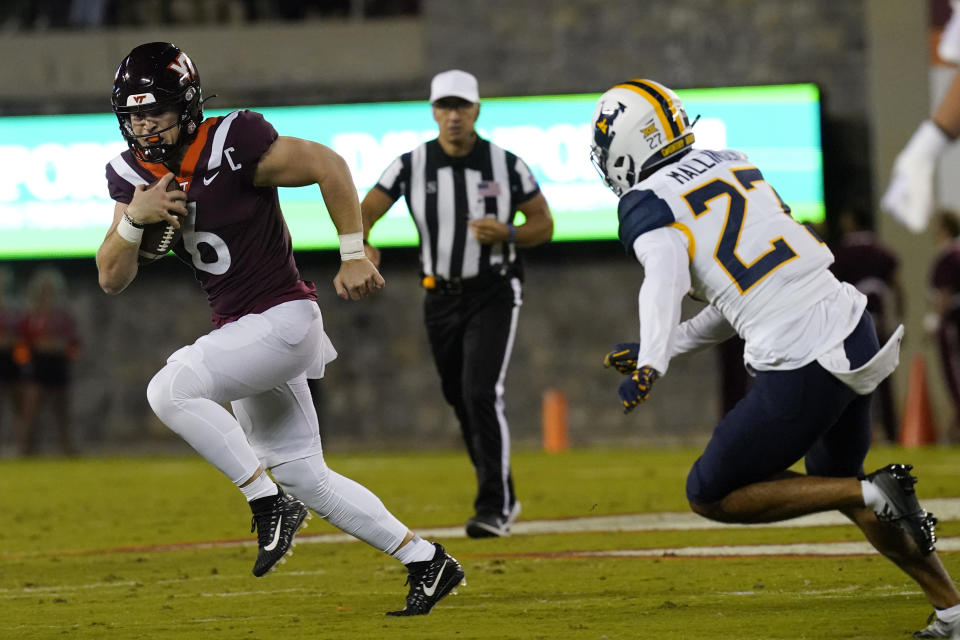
260	364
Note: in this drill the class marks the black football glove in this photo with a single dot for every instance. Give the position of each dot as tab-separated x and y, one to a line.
623	358
636	388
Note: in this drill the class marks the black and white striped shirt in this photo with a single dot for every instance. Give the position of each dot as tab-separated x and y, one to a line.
444	192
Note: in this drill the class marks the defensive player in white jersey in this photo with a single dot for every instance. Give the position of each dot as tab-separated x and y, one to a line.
705	222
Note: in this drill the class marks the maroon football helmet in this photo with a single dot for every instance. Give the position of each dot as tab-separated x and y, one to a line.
154	78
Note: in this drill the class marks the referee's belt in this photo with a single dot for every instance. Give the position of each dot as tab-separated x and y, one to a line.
457	286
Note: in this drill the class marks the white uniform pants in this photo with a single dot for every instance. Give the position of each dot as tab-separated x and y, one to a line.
260	365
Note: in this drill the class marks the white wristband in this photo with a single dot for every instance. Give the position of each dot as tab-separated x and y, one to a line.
351	246
127	231
928	142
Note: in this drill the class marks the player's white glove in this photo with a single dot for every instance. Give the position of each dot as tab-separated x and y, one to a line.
949	47
909	197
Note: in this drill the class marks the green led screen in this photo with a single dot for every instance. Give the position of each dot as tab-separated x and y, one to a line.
54	202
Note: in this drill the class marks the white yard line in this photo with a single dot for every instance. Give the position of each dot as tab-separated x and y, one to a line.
944	508
798	549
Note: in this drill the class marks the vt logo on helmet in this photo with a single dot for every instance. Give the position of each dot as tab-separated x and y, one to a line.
638	125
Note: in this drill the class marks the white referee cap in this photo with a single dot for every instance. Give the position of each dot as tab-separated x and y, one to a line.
456	84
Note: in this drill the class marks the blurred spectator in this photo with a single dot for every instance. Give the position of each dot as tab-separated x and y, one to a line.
49	331
11	355
294	10
26	15
734	379
943	321
88	13
863	261
35	14
382	8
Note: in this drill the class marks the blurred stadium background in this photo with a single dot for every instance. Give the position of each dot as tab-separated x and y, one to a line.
870	58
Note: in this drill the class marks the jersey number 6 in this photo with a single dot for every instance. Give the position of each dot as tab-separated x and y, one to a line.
743	275
192	239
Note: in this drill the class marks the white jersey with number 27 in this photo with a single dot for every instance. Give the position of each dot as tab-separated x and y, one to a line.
766	274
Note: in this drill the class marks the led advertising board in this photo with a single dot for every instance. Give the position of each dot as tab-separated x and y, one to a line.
54	201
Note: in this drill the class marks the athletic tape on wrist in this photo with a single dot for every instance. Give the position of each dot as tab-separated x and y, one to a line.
351	246
127	230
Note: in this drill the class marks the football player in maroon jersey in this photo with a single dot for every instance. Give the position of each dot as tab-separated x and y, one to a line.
13	353
942	322
269	336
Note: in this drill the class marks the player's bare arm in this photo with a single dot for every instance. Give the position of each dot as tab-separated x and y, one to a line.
947	114
117	256
374	205
537	229
294	162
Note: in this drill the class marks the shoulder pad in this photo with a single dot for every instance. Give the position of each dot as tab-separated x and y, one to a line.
640	211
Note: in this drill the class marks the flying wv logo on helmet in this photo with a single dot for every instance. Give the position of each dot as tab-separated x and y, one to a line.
639	125
602	130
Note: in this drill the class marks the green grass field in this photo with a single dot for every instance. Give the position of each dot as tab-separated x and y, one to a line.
113	548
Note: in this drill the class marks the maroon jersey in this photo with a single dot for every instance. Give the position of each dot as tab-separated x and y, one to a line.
945	273
234	237
862	261
945	277
50	330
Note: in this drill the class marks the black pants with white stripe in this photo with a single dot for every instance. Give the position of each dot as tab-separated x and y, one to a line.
471	337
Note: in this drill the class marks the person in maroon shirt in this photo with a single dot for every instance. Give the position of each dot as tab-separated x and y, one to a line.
872	267
943	321
269	338
12	354
48	332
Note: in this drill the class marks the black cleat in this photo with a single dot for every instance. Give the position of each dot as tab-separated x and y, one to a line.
901	506
429	582
276	521
492	525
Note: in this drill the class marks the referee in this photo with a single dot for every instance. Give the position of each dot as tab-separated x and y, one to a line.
463	192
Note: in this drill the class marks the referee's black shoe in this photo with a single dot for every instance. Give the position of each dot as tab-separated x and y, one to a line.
494	525
429	582
276	519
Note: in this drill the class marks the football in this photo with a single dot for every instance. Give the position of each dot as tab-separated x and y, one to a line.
158	237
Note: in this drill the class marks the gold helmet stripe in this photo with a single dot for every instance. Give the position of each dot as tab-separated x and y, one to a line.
659	100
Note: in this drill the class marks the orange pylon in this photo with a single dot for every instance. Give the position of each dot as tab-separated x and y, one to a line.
555	432
917	428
